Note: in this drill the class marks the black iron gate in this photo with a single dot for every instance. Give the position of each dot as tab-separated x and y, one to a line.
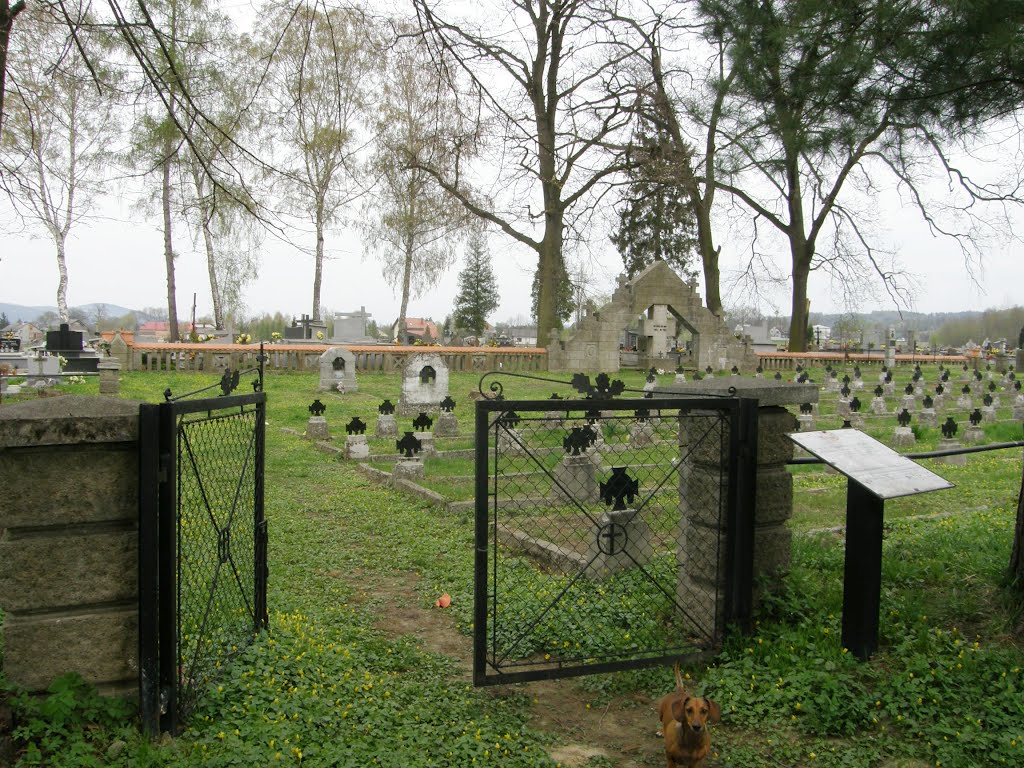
610	533
202	542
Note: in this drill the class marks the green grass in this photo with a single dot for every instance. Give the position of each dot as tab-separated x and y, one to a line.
326	686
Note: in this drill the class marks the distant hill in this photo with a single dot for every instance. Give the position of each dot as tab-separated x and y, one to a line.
30	314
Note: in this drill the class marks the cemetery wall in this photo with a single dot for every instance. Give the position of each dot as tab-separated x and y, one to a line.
69	541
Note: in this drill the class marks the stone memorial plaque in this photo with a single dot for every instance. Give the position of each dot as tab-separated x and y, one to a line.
881	470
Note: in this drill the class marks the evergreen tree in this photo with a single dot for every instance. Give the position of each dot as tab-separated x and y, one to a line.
564	304
478	288
656	222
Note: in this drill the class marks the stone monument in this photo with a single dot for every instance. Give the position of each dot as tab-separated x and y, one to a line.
338	370
424	384
350	328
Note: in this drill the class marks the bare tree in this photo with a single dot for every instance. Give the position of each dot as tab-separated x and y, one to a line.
538	70
56	138
320	62
410	223
8	13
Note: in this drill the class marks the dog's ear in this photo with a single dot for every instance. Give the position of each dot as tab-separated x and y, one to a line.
714	711
678	708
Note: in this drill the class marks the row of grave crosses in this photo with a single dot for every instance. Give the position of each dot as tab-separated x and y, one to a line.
357	426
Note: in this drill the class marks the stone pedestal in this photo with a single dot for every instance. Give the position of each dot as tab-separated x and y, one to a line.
973	435
576	478
988	413
939	401
426	442
843	408
408	469
909	402
928	418
509	441
903	437
447	425
1018	409
386	426
702	486
856	420
356	447
316	428
878	406
888	389
964	402
946	444
641	433
110	379
69	556
620	540
806	422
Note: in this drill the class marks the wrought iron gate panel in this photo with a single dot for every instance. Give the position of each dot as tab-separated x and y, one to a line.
592	519
204	526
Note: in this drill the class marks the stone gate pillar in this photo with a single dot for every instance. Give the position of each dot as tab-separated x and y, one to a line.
703	476
69	541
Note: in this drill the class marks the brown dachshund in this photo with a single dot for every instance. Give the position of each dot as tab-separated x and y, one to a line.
684	723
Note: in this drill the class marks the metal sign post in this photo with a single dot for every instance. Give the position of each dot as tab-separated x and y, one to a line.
874	473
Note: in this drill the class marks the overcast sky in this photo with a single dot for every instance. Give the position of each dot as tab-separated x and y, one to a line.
119	260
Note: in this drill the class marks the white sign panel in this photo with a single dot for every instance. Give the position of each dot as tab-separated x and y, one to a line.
877	467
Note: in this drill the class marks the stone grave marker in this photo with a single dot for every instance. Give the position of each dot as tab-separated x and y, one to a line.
621	539
964	401
316	427
424	384
641	430
423	424
878	406
806	417
928	417
856	417
973	433
338	370
409	465
386	424
350	327
447	423
575	475
988	409
903	435
356	446
948	442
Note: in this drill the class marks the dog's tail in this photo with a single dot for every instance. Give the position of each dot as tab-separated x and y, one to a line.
679	679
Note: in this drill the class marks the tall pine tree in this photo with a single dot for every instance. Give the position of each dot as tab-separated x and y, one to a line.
478	288
656	221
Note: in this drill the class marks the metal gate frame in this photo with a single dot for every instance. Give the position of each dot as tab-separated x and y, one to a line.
165	690
739	514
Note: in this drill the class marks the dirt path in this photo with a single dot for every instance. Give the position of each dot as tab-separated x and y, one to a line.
623	731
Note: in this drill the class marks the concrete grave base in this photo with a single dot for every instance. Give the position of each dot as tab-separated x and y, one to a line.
447	425
427	447
386	425
408	469
621	540
316	428
903	437
576	478
973	435
946	444
356	447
